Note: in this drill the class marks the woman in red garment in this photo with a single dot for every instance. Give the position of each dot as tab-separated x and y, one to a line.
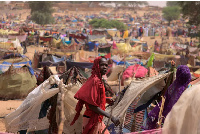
92	94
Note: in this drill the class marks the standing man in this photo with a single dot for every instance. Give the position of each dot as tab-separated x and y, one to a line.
140	32
92	94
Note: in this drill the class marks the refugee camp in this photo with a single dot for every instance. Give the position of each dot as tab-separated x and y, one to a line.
99	67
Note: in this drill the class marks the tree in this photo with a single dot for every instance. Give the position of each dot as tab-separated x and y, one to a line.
172	3
127	3
103	23
171	13
41	12
134	3
191	11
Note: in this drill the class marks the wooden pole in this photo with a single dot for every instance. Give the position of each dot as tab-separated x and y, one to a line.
60	106
160	113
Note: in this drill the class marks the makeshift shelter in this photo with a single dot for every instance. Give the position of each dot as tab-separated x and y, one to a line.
99	31
113	32
48	59
135	89
21	38
16	82
12	45
31	120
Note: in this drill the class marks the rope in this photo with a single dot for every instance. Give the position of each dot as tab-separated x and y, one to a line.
160	113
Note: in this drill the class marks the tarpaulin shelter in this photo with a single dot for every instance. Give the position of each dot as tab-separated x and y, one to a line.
16	82
51	60
99	31
36	102
81	65
78	36
132	95
113	32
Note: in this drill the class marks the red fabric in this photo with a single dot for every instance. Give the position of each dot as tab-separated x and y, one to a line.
139	71
77	36
114	45
93	93
45	39
108	56
141	30
195	81
196	75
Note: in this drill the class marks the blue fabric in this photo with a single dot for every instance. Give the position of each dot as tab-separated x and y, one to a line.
44	107
122	63
131	19
16	65
4	68
91	45
96	44
144	47
111	128
68	42
8	63
76	41
63	41
115	61
141	63
56	59
135	40
145	117
126	130
70	38
74	20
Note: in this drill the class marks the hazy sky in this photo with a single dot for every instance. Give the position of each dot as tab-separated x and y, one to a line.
157	3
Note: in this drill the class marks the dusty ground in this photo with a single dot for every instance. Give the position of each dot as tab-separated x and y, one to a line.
7	107
31	50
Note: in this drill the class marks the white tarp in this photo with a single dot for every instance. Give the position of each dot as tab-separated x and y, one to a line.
135	89
27	114
25	117
184	118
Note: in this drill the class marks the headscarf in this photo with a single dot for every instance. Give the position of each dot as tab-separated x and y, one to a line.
183	78
93	93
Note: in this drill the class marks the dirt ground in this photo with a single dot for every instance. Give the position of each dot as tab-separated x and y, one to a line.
31	50
7	107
